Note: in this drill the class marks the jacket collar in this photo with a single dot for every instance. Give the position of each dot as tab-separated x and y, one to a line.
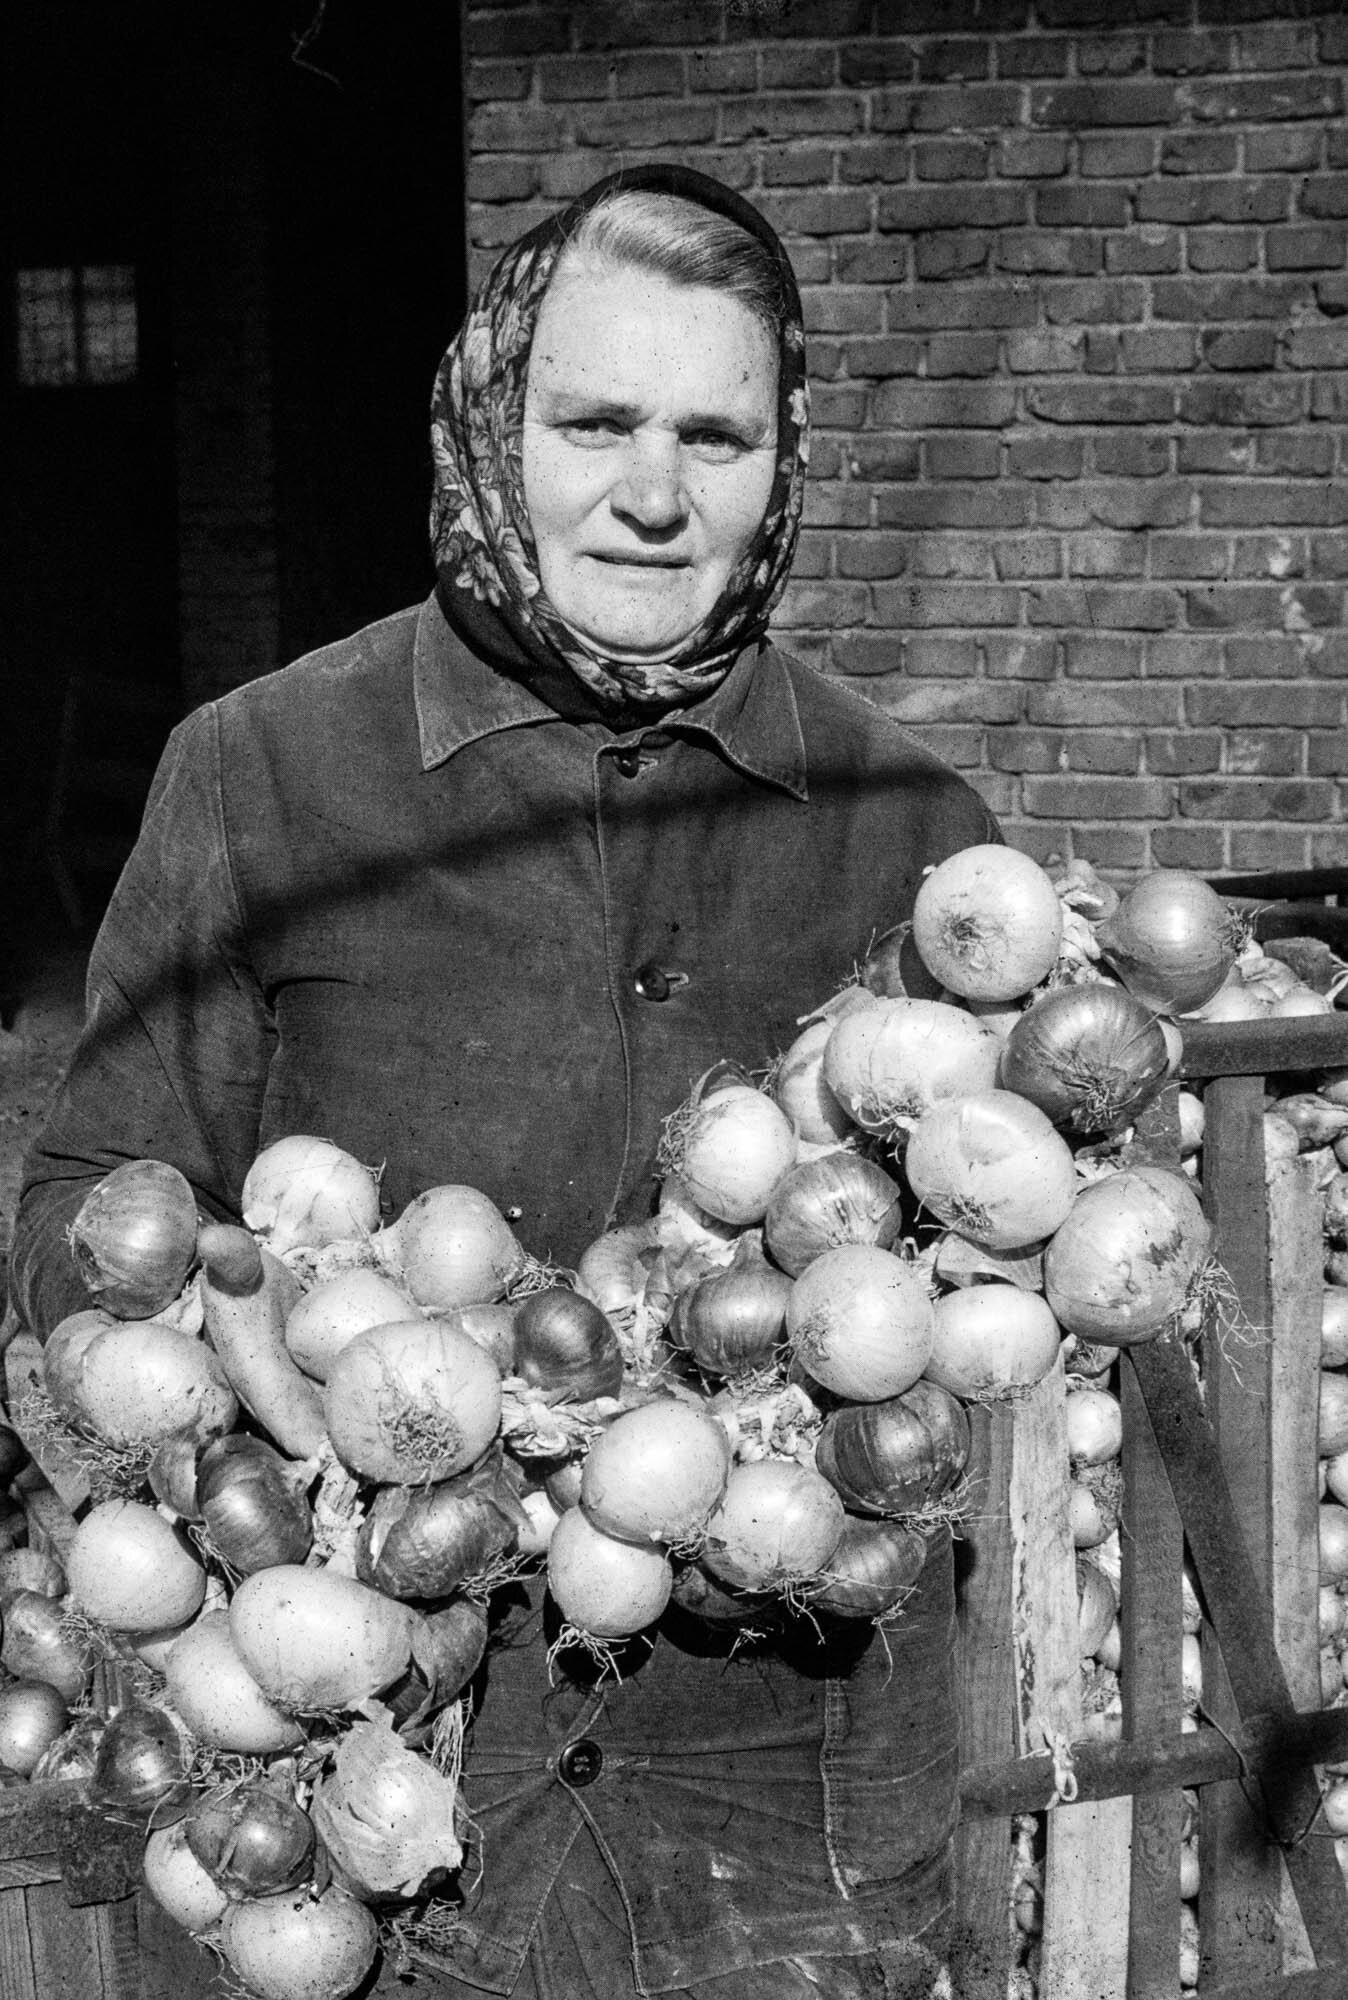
752	716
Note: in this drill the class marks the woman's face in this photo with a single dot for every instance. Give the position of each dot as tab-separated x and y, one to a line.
650	435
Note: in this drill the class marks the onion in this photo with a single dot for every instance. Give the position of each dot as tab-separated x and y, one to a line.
565	1346
179	1883
1171	941
447	1649
824	1203
544	1514
32	1715
799	1089
777	1524
1089	1056
860	1320
30	1569
733	1320
387	1816
656	1472
1333	1541
1094	1426
453	1247
1333	1613
898	1456
1191	1122
491	1326
992	1167
991	1340
614	1270
73	1753
1334	1807
314	1639
1091	1521
893	970
606	1588
252	1501
960	1262
172	1474
1334	1327
298	1948
872	1569
1333	1414
1097	1607
988	923
1302	1001
890	1062
63	1358
729	1149
128	1568
252	1840
426	1541
700	1594
38	1647
212	1690
1317	1121
141	1763
1233	1001
1121	1266
134	1238
411	1401
302	1192
319	1326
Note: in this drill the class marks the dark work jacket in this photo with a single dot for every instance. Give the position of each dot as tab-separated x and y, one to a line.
389	897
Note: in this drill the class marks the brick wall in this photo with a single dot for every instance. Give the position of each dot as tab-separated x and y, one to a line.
1076	275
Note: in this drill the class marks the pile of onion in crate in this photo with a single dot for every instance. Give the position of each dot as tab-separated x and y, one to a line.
317	1445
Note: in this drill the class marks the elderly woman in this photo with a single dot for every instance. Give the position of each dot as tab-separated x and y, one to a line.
476	894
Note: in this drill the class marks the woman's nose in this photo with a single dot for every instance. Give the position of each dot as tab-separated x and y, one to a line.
650	490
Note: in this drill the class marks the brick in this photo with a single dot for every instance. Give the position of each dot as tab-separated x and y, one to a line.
1273	503
814	555
1234	606
1182	753
1020	656
490	82
1024	750
1126	156
1033	55
1045	457
1202	849
1101	402
961	558
661	122
1245	401
1281	47
1334	40
870	554
894	354
1106	555
892	110
1200	153
799	19
970	354
933	655
1091	207
1267	848
1145	249
780	117
1089	106
1256	798
821	212
1305	249
1032	155
923	406
840	309
1102	351
951	159
1295	452
516	128
497	178
991	303
866	653
1323	195
1044	350
963	205
825	604
839	406
1282	149
922	17
1239	199
1261	556
1028	558
1327	754
1316	347
1329	398
1268	753
872	263
1223	250
528	31
717	70
651	74
1058	253
1113	607
807	68
862	63
1132	455
966	107
1330	655
1191	54
494	227
1104	753
1102	301
1263	101
1231	347
989	505
884	159
1188	556
959	745
964	455
944	61
1214	451
1158	350
1331	295
952	254
977	605
1130	704
1200	300
1098	798
627	24
1110	55
1329	555
876	456
1183	656
837	505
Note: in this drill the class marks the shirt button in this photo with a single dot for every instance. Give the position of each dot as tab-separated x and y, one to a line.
652	982
627	762
581	1762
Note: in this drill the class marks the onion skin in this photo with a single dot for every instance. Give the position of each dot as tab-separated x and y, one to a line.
992	1340
1121	1265
897	1457
890	1062
733	1150
992	1167
134	1238
63	1357
1089	1056
871	1571
821	1204
217	1698
778	1523
179	1883
296	1948
798	1088
252	1841
140	1382
307	1192
454	1247
701	1595
426	1541
320	1324
129	1569
140	1765
1171	941
36	1648
565	1346
253	1504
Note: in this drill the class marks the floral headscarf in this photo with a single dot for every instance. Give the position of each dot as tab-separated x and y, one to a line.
486	561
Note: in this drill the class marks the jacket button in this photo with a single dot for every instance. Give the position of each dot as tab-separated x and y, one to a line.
581	1762
627	762
652	982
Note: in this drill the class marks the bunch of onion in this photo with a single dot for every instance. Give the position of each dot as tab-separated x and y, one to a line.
872	1569
729	1146
565	1346
733	1319
605	1589
300	1947
134	1238
131	1569
824	1203
217	1698
896	1457
427	1541
890	1062
1172	940
452	1246
411	1401
252	1839
141	1763
860	1322
39	1644
991	1166
1124	1262
656	1472
992	1340
386	1815
315	1640
33	1716
1089	1056
987	923
776	1526
303	1193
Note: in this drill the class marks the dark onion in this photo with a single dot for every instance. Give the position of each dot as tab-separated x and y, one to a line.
172	1474
822	1204
566	1347
895	1457
253	1504
1089	1056
134	1238
733	1319
425	1541
871	1571
718	1604
491	1326
13	1453
252	1841
893	968
139	1765
447	1649
74	1753
1172	940
33	1716
37	1647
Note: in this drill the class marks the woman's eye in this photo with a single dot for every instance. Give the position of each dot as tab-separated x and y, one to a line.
588	430
716	443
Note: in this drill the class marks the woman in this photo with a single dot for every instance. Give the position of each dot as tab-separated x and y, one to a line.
477	894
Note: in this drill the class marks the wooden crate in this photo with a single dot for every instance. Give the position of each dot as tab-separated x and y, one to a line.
1230	1472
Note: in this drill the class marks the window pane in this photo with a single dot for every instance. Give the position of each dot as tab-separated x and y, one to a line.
46	302
109	322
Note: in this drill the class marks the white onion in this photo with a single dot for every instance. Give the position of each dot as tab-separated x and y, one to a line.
655	1473
129	1569
861	1322
1333	1541
213	1692
729	1150
1334	1806
992	1166
991	1339
1094	1426
1171	941
140	1381
1333	1413
298	1947
179	1883
1097	1607
333	1312
1191	1122
1333	1613
1122	1264
1335	1471
606	1588
314	1639
302	1191
987	922
777	1522
890	1062
411	1401
799	1089
453	1247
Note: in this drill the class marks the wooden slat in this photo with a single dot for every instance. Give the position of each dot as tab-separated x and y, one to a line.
1264	1047
17	1981
65	1944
